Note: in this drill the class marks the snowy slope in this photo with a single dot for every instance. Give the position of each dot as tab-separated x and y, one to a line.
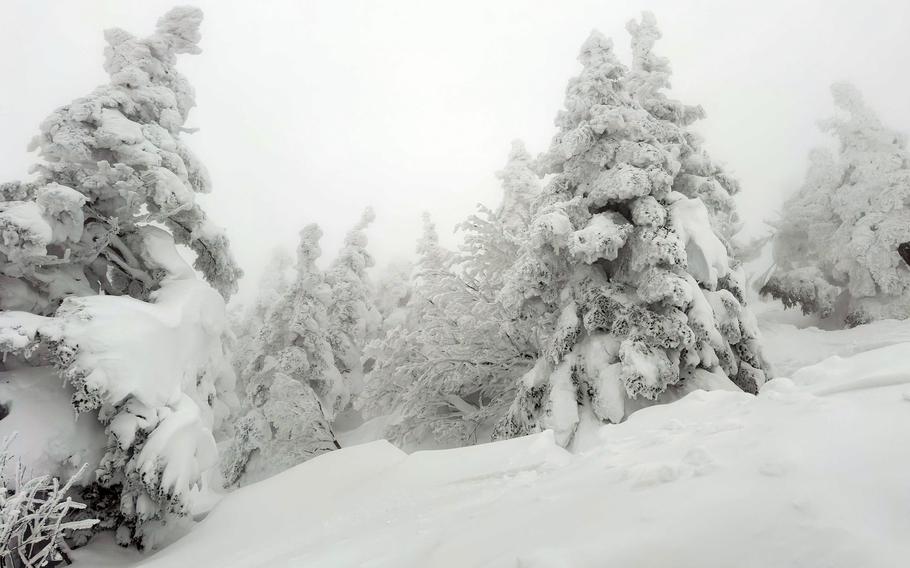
791	347
812	472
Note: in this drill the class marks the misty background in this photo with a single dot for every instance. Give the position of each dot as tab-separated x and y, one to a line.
310	111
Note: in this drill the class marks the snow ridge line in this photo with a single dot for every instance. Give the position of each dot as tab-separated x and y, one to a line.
870	382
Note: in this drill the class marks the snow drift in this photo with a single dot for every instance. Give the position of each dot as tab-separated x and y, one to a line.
795	476
155	374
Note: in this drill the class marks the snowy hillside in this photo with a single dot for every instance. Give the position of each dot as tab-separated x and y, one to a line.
811	472
616	358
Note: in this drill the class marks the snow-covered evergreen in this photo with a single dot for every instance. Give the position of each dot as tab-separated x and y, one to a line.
398	354
353	319
492	238
113	164
520	186
393	294
626	268
293	387
448	370
274	282
113	197
837	247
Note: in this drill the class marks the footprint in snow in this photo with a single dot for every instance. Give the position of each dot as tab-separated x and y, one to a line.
775	467
700	461
651	474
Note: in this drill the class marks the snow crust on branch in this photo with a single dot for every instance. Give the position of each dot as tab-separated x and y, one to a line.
627	270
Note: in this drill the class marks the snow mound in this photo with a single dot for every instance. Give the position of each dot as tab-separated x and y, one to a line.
51	437
791	346
796	476
154	379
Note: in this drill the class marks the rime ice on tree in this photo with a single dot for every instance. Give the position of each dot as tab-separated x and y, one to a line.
248	323
401	353
837	250
292	385
92	240
393	294
448	369
113	163
637	296
353	318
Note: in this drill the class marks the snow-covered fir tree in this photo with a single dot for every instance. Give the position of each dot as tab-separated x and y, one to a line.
520	186
112	163
92	241
626	270
293	388
801	239
492	239
353	319
274	282
398	352
837	250
393	294
449	369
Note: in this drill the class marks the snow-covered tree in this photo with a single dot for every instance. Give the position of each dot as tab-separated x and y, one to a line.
449	369
837	249
626	271
293	388
273	285
393	294
492	239
353	319
801	241
286	427
92	240
396	352
113	164
520	186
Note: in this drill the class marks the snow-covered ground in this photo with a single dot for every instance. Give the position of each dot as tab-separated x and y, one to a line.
811	472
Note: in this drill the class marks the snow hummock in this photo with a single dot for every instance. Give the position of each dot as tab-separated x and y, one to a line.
810	472
151	380
51	437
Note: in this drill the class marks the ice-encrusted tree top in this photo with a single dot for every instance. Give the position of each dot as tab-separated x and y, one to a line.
839	236
626	260
295	332
393	293
111	164
492	238
448	369
293	387
520	186
353	318
92	282
274	282
398	353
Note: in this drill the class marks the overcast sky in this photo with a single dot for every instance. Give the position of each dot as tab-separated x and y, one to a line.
310	110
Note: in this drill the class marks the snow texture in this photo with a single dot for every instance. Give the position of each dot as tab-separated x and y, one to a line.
156	374
809	472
